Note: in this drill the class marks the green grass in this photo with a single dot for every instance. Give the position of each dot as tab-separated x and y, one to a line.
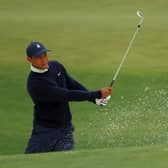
138	157
89	37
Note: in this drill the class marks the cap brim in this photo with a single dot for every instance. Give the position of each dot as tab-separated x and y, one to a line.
40	52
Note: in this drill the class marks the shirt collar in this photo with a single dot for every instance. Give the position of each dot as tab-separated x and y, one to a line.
37	70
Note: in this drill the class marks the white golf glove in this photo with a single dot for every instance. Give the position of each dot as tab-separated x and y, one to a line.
102	102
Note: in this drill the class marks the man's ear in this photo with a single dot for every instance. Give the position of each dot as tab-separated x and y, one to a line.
29	59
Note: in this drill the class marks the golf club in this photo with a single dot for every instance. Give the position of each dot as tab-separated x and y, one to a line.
140	15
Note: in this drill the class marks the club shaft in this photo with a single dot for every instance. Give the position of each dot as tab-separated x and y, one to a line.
125	55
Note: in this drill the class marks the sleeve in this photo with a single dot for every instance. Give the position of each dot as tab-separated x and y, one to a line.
75	85
44	91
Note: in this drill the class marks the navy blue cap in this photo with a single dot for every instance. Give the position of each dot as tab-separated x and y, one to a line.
35	49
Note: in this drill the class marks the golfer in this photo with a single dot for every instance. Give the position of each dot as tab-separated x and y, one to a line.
51	89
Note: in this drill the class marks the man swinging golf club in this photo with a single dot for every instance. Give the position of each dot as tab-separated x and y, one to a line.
51	89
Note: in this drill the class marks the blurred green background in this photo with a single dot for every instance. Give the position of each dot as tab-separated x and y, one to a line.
89	37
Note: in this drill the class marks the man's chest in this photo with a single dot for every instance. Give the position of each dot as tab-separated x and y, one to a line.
59	78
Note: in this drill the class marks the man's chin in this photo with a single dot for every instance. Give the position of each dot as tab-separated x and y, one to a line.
42	67
45	67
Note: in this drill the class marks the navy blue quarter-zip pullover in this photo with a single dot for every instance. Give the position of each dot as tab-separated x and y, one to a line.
51	92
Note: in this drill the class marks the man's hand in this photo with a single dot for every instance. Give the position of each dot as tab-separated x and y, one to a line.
102	102
105	92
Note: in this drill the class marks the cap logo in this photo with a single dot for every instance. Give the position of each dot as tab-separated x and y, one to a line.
38	46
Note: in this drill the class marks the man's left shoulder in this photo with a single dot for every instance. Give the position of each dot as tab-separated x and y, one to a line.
54	62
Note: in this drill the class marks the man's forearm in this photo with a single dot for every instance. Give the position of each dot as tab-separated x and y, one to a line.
55	94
